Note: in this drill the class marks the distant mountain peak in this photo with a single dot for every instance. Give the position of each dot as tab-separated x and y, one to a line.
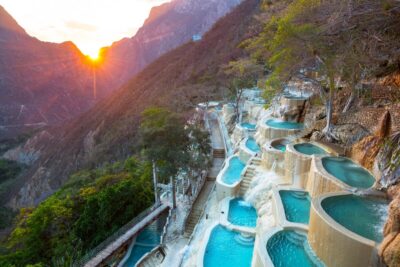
8	23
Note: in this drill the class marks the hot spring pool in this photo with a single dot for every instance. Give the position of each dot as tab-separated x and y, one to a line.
296	205
232	173
309	149
252	145
361	215
284	124
146	240
289	248
228	248
242	213
348	172
248	126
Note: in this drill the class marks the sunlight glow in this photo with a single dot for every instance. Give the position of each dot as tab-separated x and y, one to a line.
90	24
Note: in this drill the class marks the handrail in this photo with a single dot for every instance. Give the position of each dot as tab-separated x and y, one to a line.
95	251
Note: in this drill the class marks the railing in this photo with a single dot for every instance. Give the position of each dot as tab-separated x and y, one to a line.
95	251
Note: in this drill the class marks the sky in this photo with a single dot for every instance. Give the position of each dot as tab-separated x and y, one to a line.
90	24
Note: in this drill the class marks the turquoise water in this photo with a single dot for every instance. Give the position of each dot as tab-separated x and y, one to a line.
232	173
248	126
242	213
309	149
252	145
228	248
348	172
296	205
364	216
284	124
291	249
147	239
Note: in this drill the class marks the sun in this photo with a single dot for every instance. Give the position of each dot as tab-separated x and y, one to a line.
94	55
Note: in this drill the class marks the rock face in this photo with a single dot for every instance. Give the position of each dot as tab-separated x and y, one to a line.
168	26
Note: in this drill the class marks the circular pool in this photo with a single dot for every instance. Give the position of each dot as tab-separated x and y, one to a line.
278	124
309	149
348	172
248	126
361	215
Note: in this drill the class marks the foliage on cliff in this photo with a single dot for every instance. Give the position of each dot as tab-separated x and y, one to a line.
330	43
88	209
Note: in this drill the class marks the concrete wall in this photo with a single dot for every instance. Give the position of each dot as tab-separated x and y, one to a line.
320	182
334	244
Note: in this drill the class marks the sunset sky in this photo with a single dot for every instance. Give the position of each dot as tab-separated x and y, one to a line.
90	24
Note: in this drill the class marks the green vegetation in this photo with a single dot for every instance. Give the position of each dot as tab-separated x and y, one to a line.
88	209
9	171
172	145
330	44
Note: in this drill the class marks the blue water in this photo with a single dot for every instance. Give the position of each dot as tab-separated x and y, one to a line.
284	124
227	248
291	249
242	213
252	145
348	172
248	126
280	147
364	216
232	173
296	205
309	149
147	239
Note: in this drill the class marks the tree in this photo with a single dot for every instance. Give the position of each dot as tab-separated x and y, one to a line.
245	73
341	41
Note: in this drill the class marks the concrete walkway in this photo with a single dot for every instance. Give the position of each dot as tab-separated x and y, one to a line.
110	249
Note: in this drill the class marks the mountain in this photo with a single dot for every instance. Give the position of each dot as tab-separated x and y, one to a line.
179	79
40	83
46	84
167	27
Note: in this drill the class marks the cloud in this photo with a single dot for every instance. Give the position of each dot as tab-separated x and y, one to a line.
76	25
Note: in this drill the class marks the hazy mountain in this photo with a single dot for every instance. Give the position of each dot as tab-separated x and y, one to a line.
45	83
107	132
40	83
167	27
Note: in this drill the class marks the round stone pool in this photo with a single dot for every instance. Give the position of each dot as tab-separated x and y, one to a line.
361	215
348	172
309	149
278	124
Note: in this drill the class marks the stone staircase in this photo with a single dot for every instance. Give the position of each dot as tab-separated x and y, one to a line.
249	175
198	208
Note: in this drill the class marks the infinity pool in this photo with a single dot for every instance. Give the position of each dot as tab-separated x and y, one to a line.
296	205
274	123
289	248
248	126
147	239
252	145
242	213
232	173
348	172
309	149
361	215
228	248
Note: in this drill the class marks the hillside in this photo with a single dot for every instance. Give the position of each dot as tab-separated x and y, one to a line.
40	83
178	79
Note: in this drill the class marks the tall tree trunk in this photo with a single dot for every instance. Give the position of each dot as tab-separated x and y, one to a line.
157	199
329	110
173	189
349	102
